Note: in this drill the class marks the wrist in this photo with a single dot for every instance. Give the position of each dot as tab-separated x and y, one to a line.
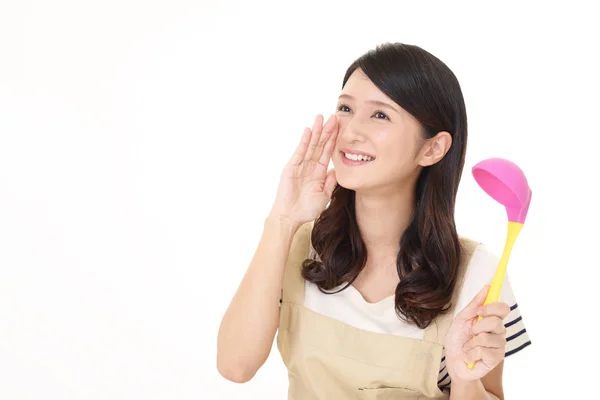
282	222
467	389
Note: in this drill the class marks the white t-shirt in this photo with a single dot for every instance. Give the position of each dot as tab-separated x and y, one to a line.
349	307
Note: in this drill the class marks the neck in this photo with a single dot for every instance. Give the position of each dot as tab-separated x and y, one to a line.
382	219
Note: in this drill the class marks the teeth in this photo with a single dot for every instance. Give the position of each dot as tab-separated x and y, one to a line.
357	157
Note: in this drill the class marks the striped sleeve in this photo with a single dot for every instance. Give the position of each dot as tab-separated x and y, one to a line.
517	337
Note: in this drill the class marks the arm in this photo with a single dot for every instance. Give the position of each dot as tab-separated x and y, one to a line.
487	388
249	325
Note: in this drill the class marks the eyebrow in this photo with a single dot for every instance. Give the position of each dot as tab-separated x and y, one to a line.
376	102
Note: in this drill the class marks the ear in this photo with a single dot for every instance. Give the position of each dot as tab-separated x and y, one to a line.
435	149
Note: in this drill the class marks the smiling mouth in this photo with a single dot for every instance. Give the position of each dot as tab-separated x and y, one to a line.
355	160
357	157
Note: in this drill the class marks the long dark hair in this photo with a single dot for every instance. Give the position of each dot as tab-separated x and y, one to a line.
430	251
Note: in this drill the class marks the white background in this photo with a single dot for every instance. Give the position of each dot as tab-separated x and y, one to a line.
140	149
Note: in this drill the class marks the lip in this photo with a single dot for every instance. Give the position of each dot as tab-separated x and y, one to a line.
358	152
350	162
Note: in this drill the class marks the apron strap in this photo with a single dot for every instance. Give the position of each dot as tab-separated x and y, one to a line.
437	330
293	282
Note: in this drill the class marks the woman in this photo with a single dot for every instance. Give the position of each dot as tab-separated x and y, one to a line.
381	298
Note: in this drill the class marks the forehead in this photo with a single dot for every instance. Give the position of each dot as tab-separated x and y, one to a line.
360	87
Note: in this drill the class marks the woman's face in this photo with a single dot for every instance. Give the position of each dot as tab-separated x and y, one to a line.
379	145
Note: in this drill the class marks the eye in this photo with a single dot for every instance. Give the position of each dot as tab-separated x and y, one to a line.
344	108
380	115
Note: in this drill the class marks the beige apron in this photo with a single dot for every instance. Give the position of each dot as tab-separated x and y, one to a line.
327	359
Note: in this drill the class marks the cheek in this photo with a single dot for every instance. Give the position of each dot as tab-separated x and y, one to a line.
384	137
395	148
390	142
342	122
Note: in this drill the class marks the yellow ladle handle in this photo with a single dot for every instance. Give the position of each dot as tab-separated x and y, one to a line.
494	293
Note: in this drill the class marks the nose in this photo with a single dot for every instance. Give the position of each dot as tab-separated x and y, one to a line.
351	130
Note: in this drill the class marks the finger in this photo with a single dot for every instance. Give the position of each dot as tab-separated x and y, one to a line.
497	309
330	183
480	369
314	139
492	357
487	340
474	355
470	311
491	324
329	145
487	356
298	155
325	135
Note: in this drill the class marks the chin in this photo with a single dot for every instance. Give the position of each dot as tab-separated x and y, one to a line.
348	180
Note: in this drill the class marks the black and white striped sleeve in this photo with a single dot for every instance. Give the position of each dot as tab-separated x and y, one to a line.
517	337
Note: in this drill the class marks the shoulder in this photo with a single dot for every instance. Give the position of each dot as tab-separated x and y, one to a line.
302	235
299	247
479	263
305	229
477	258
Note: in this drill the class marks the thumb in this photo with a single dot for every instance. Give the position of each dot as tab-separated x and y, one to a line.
330	183
470	311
